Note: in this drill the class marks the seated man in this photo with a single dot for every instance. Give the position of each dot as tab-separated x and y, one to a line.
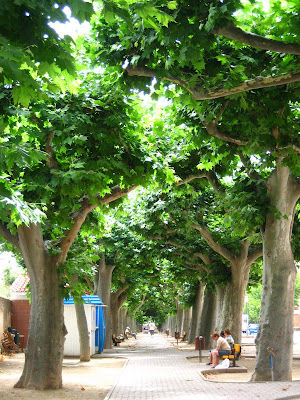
15	333
222	349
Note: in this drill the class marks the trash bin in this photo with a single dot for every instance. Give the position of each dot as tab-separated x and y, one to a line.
197	343
177	335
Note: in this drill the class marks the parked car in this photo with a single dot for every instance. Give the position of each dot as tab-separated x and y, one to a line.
253	329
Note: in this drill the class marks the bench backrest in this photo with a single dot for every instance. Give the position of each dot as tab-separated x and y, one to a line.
237	350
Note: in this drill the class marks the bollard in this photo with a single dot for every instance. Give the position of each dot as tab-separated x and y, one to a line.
201	346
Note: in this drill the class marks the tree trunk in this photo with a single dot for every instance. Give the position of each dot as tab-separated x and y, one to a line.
275	334
123	318
82	325
233	305
208	317
230	312
179	316
85	351
196	313
44	352
102	287
220	307
187	315
117	300
233	302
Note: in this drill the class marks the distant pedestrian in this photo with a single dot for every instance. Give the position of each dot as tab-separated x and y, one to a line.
151	328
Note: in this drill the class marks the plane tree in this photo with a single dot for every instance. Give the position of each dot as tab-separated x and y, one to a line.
95	152
235	67
192	225
191	260
33	57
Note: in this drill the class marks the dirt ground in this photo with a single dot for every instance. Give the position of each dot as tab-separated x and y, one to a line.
91	380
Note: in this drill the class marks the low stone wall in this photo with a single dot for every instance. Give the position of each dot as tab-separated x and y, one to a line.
5	314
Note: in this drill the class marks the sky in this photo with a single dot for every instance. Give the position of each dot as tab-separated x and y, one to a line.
72	28
7	260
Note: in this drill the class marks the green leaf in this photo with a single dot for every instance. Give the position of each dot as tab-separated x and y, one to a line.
22	95
172	5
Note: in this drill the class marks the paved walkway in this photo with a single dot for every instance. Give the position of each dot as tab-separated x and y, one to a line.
157	370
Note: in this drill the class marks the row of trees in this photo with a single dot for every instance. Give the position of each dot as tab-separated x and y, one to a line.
220	157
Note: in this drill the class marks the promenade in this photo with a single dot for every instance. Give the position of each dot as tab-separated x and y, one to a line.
157	370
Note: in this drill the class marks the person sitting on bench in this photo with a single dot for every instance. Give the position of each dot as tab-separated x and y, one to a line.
229	338
222	349
15	333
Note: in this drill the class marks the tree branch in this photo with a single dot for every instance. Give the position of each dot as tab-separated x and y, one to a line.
140	305
260	42
198	93
255	254
118	292
188	266
212	130
246	161
80	216
220	249
292	146
7	235
51	162
209	175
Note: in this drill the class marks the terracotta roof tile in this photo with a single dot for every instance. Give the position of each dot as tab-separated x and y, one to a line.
19	285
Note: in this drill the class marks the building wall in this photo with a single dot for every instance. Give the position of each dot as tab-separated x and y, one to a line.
5	314
20	313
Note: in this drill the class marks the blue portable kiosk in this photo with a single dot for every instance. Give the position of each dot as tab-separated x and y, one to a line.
96	324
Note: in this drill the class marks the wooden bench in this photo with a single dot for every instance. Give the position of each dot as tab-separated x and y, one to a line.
8	343
235	354
130	335
117	339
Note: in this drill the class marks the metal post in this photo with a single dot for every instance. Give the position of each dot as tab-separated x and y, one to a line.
200	348
272	372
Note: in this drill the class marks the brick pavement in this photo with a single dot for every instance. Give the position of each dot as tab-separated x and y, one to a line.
157	370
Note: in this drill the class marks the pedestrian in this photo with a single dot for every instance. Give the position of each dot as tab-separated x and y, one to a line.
152	328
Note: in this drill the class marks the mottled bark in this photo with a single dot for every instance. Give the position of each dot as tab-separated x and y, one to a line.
275	335
82	326
230	312
85	351
171	324
196	312
122	319
221	290
233	302
117	299
208	318
187	315
102	285
179	317
44	352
